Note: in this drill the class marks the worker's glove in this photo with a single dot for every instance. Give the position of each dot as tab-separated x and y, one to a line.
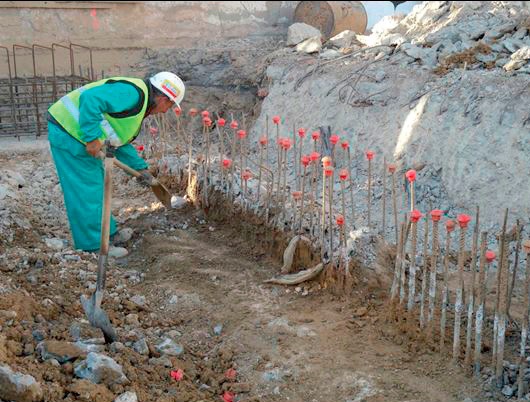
146	179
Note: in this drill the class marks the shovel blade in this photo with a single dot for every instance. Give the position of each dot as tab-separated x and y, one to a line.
162	194
98	318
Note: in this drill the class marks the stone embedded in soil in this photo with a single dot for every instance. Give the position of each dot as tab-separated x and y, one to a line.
299	32
59	350
118	252
55	244
138	300
127	397
310	45
89	392
178	202
99	368
18	387
140	346
170	347
161	361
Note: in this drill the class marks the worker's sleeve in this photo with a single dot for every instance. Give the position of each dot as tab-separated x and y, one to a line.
128	155
107	98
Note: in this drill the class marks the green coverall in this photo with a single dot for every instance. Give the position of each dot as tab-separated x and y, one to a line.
80	174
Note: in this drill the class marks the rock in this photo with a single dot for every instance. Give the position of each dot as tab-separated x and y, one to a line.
427	56
161	361
486	58
117	347
502	62
518	59
310	45
218	329
75	331
59	350
99	368
508	391
89	392
132	319
512	45
55	244
38	335
173	300
123	235
344	39
138	300
178	202
90	347
140	346
299	32
170	347
117	252
127	397
3	191
18	387
330	54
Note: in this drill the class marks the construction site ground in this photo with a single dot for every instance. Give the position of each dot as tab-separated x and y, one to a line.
202	277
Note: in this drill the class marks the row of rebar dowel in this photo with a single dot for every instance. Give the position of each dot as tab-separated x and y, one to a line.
432	311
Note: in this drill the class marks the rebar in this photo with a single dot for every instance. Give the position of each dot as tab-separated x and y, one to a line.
472	289
445	291
524	327
459	302
424	273
412	267
481	298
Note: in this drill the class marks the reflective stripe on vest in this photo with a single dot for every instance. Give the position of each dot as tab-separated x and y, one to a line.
118	130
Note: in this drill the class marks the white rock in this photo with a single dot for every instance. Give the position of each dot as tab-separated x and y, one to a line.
3	191
127	397
18	387
170	347
178	202
99	368
344	39
138	300
55	244
117	252
310	45
299	32
124	235
518	59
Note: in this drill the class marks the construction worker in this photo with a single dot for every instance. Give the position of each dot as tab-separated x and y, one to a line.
78	124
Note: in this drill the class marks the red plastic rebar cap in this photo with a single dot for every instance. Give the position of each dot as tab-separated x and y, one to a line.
231	374
345	145
326	161
241	134
153	130
490	256
315	156
391	167
178	111
343	174
247	174
228	396
276	119
463	220
221	122
411	175
436	215
315	135
415	216
328	171
305	160
285	143
227	163
301	132
207	121
205	113
233	124
334	139
263	140
193	112
340	220
450	225
140	148
370	155
177	375
297	195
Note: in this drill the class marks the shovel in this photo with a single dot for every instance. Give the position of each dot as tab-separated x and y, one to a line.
159	190
95	314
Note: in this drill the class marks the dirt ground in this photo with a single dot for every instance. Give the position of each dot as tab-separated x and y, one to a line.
202	277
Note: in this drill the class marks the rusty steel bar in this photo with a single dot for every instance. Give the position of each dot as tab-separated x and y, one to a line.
472	289
72	45
424	273
481	297
459	303
524	328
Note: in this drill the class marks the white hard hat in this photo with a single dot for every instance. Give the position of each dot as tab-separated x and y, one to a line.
170	85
